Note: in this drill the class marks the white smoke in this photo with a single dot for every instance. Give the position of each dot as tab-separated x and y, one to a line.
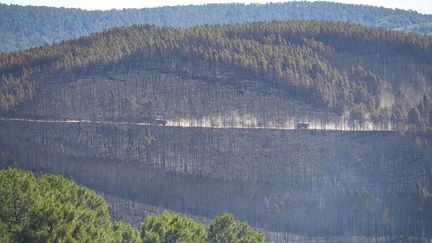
387	98
236	120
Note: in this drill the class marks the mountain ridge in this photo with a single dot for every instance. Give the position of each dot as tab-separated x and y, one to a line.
48	24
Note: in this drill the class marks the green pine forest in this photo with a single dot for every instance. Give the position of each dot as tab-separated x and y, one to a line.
332	66
48	208
24	27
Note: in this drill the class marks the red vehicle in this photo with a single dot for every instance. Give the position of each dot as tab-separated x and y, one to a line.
302	125
161	122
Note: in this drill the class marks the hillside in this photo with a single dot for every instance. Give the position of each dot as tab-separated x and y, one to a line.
231	96
25	27
271	71
312	183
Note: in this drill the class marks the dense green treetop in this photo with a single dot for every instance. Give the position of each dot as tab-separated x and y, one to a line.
51	208
226	228
170	228
126	233
25	27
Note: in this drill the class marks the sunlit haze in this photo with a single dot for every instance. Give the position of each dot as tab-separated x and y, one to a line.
422	6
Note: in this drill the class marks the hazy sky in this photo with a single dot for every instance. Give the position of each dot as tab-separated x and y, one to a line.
423	6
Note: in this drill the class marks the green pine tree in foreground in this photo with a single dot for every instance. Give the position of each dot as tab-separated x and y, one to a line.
54	209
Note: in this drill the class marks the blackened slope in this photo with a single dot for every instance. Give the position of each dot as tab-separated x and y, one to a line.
306	182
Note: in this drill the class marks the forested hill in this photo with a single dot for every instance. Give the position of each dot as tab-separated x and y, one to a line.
377	75
24	27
